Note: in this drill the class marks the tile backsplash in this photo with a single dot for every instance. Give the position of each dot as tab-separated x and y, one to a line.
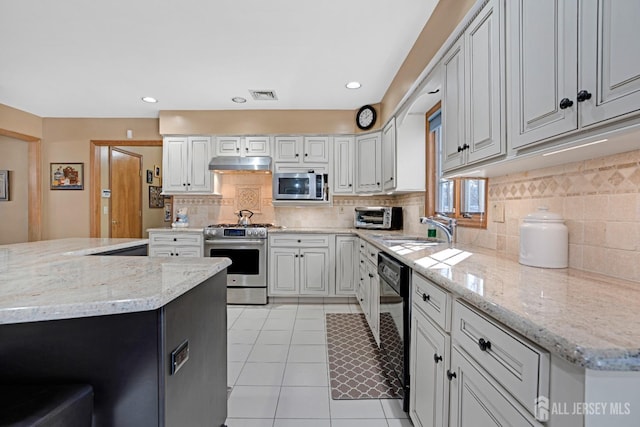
599	200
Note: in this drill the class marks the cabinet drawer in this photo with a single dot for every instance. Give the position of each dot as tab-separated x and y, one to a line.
518	365
175	238
432	301
372	253
299	240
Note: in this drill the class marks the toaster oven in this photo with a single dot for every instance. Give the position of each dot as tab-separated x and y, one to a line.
380	217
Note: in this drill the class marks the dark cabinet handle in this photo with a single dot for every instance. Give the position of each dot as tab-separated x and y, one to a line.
188	184
391	179
370	275
296	256
361	262
361	299
450	375
299	241
184	185
246	149
484	345
237	148
301	256
465	147
459	148
306	155
426	297
583	95
349	185
372	254
177	254
437	358
565	103
297	155
362	246
175	239
377	183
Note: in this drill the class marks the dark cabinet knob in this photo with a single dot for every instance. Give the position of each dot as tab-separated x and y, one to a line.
175	239
565	103
296	256
377	183
459	148
426	297
299	240
184	185
450	375
301	255
437	358
583	95
349	185
465	147
484	345
361	262
370	275
188	184
306	155
237	148
362	246
391	179
361	299
177	254
297	155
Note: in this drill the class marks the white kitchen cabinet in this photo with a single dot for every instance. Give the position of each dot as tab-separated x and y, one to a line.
389	156
369	287
185	161
242	146
176	243
299	264
298	149
473	83
368	163
343	164
611	73
429	398
549	95
477	400
346	264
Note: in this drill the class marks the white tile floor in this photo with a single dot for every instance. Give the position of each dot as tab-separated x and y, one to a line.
279	371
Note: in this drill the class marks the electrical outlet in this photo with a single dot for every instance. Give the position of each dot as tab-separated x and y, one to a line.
341	209
497	212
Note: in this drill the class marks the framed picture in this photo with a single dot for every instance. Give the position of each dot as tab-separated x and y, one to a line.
4	186
66	176
156	171
149	176
156	200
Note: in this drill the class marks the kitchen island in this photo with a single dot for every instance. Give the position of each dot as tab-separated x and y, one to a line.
149	334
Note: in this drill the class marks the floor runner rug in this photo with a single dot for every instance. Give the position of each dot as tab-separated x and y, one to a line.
357	369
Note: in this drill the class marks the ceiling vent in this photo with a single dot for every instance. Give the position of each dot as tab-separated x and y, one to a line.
263	95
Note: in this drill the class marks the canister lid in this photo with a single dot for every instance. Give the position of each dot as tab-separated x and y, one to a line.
543	215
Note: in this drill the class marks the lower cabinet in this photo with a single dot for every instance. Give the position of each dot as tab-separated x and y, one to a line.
480	374
369	287
346	264
176	243
299	265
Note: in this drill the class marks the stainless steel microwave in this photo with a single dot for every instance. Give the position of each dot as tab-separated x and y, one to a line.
299	186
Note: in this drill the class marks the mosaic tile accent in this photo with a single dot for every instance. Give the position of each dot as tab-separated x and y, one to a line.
357	369
248	197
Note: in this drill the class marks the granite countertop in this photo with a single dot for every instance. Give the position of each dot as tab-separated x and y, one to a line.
588	319
178	229
53	279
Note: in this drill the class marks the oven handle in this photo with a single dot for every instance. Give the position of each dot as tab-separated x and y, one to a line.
235	242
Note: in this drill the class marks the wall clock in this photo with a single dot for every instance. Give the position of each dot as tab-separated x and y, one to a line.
366	117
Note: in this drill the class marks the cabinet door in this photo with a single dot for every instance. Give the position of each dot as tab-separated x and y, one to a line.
389	156
283	271
188	251
314	271
288	148
542	54
374	302
161	251
610	73
174	164
316	149
257	146
346	264
484	80
343	165
429	398
476	400
199	174
227	146
453	107
368	163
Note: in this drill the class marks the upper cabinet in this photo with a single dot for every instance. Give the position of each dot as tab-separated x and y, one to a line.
298	149
242	146
368	163
473	85
343	164
549	95
185	161
389	156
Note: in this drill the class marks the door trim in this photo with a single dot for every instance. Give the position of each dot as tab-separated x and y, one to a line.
94	165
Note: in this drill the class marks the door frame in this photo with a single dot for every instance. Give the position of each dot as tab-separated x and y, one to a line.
94	165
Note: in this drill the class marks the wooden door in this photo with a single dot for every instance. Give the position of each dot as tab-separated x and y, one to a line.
126	193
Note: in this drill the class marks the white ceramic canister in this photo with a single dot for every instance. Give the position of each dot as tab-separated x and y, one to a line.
544	240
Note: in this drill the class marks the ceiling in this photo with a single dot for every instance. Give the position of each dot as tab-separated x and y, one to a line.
78	58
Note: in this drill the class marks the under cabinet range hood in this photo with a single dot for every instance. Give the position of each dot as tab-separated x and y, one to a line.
237	163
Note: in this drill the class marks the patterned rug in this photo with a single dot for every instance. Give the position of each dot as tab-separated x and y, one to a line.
357	369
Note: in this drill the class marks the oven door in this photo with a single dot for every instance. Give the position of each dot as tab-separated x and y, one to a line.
248	260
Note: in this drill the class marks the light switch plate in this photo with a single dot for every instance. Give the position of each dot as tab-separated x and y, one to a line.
497	212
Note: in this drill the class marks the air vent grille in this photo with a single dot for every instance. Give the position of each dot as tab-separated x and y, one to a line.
263	95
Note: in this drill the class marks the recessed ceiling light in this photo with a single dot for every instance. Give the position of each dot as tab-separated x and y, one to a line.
149	99
239	100
353	85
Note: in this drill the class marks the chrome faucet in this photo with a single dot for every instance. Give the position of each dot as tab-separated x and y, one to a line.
449	228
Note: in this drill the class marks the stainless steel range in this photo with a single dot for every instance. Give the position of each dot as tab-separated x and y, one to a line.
246	246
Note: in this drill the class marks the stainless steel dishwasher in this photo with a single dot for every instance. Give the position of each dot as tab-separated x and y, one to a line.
395	318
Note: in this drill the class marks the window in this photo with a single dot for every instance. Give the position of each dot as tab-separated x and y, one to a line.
463	198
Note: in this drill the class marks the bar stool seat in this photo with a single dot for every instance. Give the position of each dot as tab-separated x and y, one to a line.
46	405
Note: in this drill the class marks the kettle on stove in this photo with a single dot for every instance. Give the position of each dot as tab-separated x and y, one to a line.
244	216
